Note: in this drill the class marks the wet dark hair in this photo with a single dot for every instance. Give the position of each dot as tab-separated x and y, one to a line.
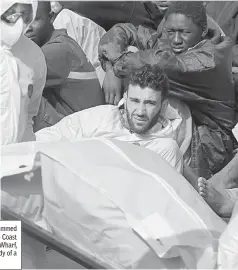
152	77
191	9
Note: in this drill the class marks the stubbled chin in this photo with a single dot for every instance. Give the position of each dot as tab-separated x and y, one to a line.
139	129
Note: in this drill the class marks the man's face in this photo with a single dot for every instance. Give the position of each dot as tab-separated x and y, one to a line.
182	32
41	27
143	108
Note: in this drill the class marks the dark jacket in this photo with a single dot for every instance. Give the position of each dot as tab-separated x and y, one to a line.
108	13
202	76
225	13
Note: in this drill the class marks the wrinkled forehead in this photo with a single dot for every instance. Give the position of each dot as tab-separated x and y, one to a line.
179	21
143	93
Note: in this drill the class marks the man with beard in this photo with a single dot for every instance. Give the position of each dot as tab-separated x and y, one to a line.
197	61
146	119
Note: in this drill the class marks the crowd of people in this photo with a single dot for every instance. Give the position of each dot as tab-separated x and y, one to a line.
156	60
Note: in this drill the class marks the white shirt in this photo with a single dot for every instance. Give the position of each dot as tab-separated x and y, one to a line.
105	121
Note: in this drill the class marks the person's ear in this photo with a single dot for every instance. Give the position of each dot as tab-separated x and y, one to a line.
52	16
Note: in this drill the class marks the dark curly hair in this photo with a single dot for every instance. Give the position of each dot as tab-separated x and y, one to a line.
152	77
191	9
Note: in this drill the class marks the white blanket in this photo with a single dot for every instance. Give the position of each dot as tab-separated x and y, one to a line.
124	204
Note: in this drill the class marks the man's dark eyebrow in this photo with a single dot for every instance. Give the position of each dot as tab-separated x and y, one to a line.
150	101
147	101
134	98
176	28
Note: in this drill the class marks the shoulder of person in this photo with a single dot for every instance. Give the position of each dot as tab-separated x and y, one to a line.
31	54
58	43
104	109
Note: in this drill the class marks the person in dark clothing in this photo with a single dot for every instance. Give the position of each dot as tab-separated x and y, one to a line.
225	13
71	84
197	61
108	13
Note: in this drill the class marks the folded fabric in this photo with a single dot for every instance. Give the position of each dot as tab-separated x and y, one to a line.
124	204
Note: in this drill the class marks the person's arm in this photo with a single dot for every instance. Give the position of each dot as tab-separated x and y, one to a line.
159	52
113	46
10	99
115	42
112	86
76	126
163	55
59	60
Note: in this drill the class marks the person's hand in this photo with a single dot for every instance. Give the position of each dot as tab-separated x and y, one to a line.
112	87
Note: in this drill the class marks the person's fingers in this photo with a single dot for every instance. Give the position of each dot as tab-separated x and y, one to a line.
118	95
201	184
106	94
111	98
117	99
202	187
